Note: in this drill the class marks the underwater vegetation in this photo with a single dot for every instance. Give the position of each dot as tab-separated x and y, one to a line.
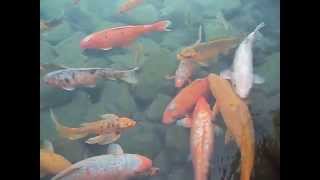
159	89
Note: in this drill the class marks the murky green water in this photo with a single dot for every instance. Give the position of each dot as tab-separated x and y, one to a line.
145	102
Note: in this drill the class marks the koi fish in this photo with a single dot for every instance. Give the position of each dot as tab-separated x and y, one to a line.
202	136
121	36
50	162
48	25
185	100
129	4
71	78
185	68
201	52
237	118
108	128
114	165
241	73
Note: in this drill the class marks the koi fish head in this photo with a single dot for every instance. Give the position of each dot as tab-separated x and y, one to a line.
169	115
90	42
202	109
187	53
126	122
144	166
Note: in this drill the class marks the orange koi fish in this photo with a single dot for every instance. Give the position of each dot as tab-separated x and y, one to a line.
202	52
108	128
185	100
238	120
129	4
115	165
50	162
121	36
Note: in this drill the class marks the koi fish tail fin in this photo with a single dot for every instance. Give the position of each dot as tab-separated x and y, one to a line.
130	76
162	25
261	25
70	133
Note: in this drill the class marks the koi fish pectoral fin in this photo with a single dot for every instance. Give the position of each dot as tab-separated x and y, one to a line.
104	139
185	122
169	77
203	64
115	149
109	116
258	79
226	74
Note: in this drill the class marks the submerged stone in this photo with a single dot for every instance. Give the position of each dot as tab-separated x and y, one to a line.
58	33
157	107
47	52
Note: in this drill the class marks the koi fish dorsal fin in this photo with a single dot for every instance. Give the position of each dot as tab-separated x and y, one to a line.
66	172
115	149
199	35
109	116
47	145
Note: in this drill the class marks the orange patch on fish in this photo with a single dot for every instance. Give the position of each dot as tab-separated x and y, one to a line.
238	120
201	139
185	100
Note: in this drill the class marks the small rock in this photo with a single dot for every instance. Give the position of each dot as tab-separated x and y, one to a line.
50	97
163	162
74	113
115	98
143	139
215	29
181	174
57	34
156	109
270	71
52	9
74	151
47	52
152	75
177	141
142	14
80	20
70	53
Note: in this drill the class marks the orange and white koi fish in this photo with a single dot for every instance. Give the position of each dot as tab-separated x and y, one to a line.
202	52
241	73
115	165
108	128
121	36
129	4
50	162
185	100
237	118
202	137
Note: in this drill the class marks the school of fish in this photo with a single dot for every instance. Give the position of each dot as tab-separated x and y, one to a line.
189	108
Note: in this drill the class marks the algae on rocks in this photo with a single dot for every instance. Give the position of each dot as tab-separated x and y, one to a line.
155	110
57	34
152	79
144	139
70	53
47	52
